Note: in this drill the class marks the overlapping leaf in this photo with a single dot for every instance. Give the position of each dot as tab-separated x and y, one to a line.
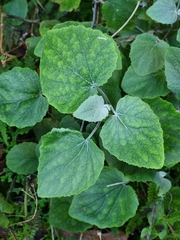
22	158
116	12
72	64
68	163
68	5
172	69
108	203
163	11
21	100
134	134
59	216
170	122
148	86
147	54
92	109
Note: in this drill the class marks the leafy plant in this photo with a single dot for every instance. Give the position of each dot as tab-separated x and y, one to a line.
107	116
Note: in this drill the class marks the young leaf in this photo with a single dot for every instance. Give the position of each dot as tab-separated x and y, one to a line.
163	11
4	222
5	207
22	158
163	183
116	12
108	203
59	216
148	86
170	123
134	134
92	109
151	59
72	65
68	163
22	103
67	5
172	70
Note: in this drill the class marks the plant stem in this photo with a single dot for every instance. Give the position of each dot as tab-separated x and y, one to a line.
137	5
93	131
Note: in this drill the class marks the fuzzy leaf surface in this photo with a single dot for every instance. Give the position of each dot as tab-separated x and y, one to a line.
21	100
163	11
104	205
172	70
72	65
148	86
22	158
67	5
116	12
170	123
92	109
151	59
59	216
134	134
68	163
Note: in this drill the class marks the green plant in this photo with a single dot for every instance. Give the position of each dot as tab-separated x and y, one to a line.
107	116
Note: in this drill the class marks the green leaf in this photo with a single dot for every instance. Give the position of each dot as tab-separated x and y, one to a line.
22	103
163	11
47	25
70	122
108	203
67	5
116	12
68	163
178	35
59	216
92	109
172	70
163	183
72	65
3	132
17	8
4	222
5	206
151	59
170	123
148	86
134	134
22	158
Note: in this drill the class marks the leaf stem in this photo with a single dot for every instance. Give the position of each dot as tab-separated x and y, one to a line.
93	131
137	5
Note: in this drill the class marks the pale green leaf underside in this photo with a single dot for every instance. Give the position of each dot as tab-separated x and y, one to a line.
172	69
22	158
72	64
163	183
134	134
21	101
59	216
147	54
92	109
148	86
104	205
116	12
170	123
163	11
68	163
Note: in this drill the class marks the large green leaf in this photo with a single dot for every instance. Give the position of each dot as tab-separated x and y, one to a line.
116	12
170	123
92	109
148	86
172	69
22	158
151	58
72	65
108	203
134	134
21	100
59	216
163	11
68	163
17	8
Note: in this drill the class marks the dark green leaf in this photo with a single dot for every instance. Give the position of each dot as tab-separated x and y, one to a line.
108	203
